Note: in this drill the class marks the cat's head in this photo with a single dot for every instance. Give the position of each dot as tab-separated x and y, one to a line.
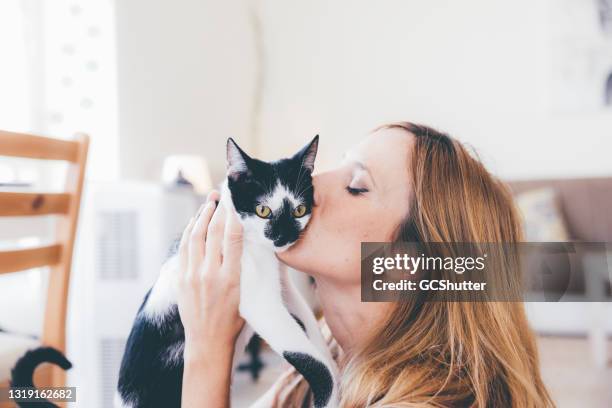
274	200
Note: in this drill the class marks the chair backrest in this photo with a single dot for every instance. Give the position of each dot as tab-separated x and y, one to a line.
65	205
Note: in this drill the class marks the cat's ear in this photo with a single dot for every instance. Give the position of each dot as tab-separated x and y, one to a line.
308	154
237	160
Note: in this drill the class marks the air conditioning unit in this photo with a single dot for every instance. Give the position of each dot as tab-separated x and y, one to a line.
125	232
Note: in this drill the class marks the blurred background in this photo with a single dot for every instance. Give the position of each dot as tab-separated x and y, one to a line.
159	86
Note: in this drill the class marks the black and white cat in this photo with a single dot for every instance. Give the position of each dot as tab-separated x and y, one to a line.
274	202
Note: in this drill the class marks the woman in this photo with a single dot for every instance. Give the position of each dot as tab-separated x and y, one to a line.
404	182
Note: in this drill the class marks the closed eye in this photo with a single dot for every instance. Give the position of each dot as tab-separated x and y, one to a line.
356	191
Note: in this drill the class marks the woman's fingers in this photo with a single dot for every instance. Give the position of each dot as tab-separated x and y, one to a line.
232	246
183	245
213	196
214	240
191	247
183	251
198	233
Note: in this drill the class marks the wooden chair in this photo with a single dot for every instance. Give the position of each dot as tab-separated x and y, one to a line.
57	256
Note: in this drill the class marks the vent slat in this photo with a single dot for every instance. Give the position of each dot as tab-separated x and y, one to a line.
117	245
111	353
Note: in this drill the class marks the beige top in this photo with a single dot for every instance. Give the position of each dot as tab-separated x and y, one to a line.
266	400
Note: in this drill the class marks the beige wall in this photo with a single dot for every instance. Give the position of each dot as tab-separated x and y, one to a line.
476	68
186	75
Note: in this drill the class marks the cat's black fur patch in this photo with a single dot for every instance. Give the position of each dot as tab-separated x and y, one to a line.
315	372
145	378
300	323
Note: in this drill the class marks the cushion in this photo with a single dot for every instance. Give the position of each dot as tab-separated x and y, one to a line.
11	348
542	218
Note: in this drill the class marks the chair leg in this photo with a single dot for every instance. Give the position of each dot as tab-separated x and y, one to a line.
49	375
255	365
6	404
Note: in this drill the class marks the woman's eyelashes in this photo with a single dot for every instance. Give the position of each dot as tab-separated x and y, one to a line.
356	191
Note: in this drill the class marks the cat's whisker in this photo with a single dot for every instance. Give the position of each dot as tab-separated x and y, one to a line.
299	183
299	190
309	186
304	190
299	177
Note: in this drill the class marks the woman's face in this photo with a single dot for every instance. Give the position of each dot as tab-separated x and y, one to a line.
364	199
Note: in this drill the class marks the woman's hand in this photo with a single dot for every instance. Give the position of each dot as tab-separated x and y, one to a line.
209	282
208	299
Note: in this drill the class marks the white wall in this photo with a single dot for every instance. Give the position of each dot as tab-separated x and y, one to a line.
185	71
479	69
475	68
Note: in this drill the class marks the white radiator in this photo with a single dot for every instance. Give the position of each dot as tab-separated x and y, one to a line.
124	235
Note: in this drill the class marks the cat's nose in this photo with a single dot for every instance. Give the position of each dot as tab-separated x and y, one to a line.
281	242
285	238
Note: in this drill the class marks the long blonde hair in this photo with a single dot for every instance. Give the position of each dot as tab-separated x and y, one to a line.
444	353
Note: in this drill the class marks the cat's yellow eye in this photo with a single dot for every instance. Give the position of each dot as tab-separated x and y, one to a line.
299	211
263	211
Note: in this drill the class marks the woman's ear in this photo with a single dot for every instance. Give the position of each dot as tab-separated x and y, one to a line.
308	154
237	160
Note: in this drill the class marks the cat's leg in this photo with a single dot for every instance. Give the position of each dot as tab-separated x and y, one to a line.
163	295
302	313
261	304
152	365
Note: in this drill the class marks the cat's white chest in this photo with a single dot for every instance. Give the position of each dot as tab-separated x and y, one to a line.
260	269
